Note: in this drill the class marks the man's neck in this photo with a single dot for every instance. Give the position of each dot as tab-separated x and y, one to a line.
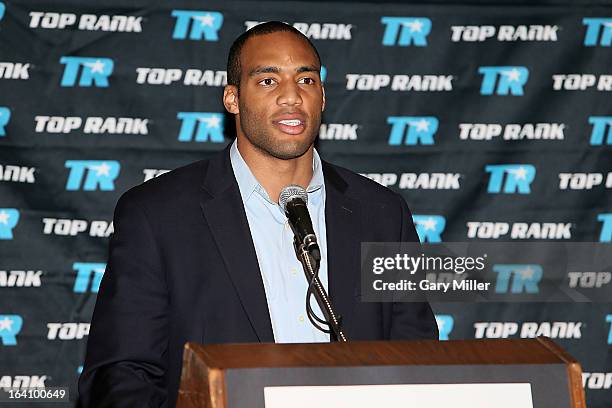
274	174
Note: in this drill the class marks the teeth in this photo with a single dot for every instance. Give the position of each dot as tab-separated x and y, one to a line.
294	122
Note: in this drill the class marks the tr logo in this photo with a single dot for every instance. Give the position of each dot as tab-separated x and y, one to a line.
10	326
9	217
203	126
429	227
94	71
5	116
98	175
445	325
204	25
405	31
412	130
86	273
606	228
524	278
512	178
595	27
323	73
509	80
602	130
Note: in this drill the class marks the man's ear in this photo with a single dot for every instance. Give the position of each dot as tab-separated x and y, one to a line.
230	99
323	105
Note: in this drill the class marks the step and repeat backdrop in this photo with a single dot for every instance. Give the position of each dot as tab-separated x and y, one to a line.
494	123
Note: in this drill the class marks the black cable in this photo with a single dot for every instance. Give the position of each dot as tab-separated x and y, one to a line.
312	316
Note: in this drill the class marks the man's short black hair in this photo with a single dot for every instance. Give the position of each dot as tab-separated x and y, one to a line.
233	60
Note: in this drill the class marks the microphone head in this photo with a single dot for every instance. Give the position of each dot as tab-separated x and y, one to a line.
292	192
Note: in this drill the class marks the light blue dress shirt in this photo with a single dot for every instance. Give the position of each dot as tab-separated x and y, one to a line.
282	274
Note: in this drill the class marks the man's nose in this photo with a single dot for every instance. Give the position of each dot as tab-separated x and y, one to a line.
289	94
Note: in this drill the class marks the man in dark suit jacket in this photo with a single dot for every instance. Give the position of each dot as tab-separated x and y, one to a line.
182	264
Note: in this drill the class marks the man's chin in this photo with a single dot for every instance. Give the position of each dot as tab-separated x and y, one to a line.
287	147
287	154
287	150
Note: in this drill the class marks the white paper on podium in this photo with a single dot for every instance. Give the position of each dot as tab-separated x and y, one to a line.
499	395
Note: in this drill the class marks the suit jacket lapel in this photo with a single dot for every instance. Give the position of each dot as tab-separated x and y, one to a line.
343	225
224	212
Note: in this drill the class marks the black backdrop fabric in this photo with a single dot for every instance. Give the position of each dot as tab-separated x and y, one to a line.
493	121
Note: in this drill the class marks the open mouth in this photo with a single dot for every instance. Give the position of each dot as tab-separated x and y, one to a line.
294	122
290	126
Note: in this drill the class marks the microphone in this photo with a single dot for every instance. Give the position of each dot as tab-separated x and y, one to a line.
293	200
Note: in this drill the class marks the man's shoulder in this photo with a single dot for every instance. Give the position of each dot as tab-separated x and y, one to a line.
360	187
181	185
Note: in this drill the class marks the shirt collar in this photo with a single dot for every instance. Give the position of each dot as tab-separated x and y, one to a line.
248	184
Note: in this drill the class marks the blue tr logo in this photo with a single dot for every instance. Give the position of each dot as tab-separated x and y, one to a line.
509	80
10	326
199	25
406	31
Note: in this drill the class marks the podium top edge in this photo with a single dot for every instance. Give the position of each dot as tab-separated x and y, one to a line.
367	353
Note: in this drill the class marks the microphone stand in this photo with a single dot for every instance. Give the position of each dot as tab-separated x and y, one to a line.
311	270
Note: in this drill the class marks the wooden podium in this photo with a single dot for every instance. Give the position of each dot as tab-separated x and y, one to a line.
236	375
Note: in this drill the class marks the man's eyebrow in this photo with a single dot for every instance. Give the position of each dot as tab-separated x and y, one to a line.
276	70
308	68
264	70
